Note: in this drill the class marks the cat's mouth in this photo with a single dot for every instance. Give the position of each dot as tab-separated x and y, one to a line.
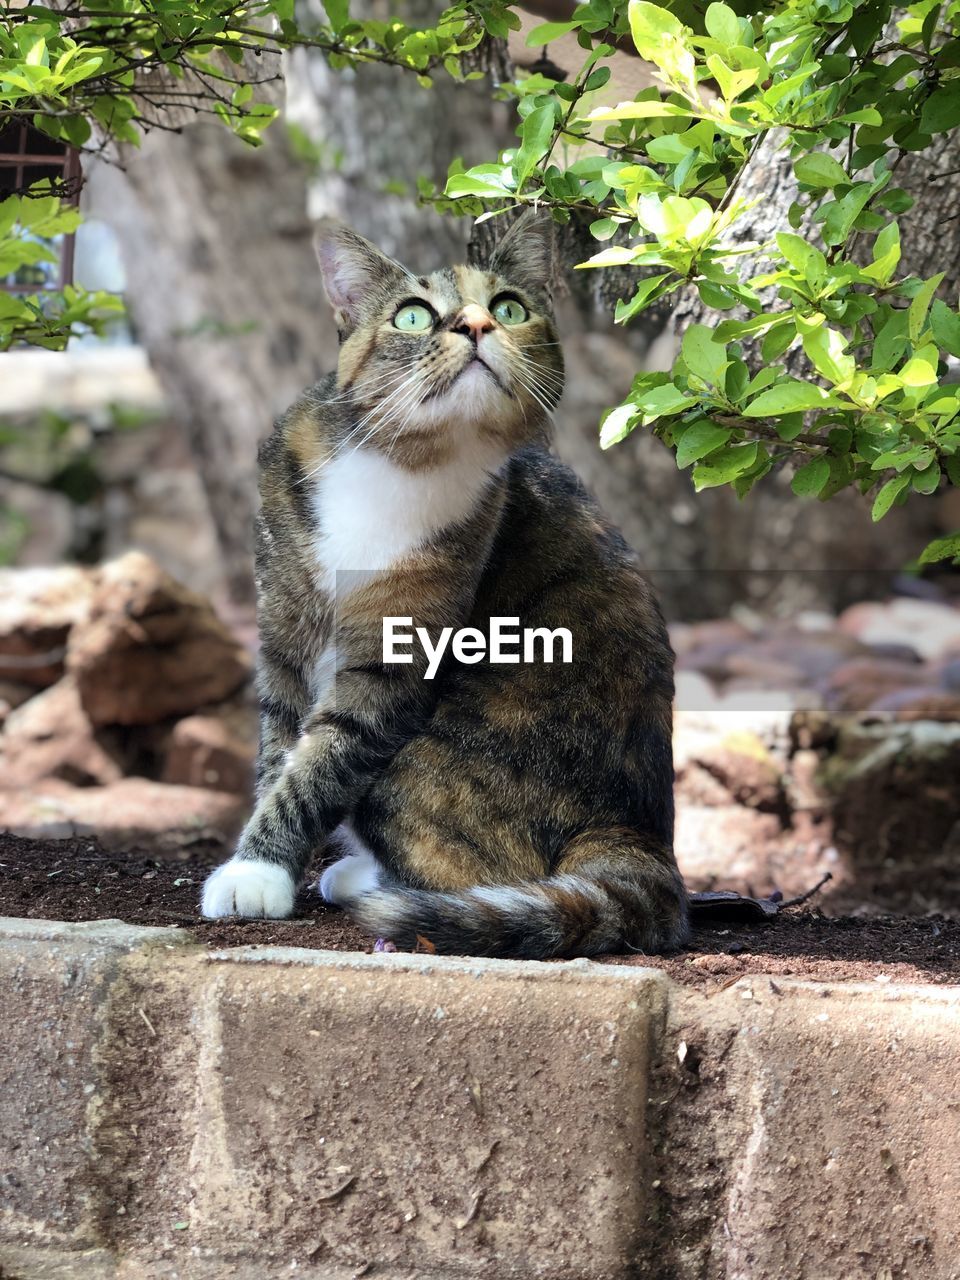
477	362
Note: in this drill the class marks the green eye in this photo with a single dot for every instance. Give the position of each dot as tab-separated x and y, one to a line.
413	318
510	311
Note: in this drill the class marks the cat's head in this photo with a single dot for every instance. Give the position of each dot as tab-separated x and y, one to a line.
432	360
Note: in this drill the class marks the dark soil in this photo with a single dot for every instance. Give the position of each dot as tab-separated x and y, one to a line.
78	880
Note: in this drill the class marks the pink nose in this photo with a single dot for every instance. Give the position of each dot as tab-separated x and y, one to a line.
472	321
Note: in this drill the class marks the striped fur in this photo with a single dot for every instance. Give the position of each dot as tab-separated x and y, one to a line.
497	809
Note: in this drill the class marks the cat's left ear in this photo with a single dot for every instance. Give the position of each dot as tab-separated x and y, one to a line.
525	255
352	269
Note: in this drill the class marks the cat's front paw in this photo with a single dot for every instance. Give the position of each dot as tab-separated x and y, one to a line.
245	887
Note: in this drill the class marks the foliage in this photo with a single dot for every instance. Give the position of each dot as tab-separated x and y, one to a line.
93	73
826	356
821	353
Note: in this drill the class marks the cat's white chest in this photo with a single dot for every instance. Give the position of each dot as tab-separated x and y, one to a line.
372	514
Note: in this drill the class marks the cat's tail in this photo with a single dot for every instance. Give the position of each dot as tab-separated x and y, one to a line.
608	904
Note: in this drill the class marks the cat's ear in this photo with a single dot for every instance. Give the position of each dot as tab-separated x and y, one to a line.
525	255
352	269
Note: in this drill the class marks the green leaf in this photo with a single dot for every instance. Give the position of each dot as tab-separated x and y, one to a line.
645	291
699	439
650	27
820	170
811	478
926	481
535	133
723	24
618	424
791	396
918	372
941	111
338	11
945	326
662	401
842	214
703	356
946	548
886	254
920	305
888	495
547	31
725	465
825	349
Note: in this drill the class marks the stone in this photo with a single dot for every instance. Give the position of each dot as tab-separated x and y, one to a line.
51	737
895	803
930	628
38	608
747	770
150	648
921	703
13	694
216	748
483	1118
855	686
56	981
150	815
844	1107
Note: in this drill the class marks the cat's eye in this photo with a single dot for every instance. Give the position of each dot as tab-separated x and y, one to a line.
510	311
413	318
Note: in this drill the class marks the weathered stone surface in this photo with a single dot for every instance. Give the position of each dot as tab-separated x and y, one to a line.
38	607
855	686
13	694
484	1117
215	748
930	629
922	703
55	981
845	1104
51	737
150	648
170	1114
131	811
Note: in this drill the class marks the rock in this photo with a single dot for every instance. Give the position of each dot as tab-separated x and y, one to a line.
215	748
51	737
133	811
741	763
687	638
857	685
930	628
150	649
13	694
949	674
895	805
812	654
922	703
38	607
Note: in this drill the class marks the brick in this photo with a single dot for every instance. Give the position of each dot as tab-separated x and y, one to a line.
847	1115
54	985
483	1117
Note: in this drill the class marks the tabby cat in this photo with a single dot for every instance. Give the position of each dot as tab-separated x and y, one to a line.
520	809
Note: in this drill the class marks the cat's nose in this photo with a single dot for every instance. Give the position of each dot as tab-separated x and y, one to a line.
472	321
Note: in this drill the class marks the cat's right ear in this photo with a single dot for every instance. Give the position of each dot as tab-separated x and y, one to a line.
352	269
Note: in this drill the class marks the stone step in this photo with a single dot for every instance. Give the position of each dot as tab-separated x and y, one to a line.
170	1112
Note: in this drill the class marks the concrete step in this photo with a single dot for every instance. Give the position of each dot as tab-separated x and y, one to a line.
170	1112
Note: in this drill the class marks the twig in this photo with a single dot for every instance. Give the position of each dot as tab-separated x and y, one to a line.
804	897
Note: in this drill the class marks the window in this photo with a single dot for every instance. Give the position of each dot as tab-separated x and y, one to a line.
29	157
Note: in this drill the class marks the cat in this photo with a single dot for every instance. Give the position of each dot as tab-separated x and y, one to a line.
516	809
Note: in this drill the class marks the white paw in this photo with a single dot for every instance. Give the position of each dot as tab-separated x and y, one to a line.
248	888
347	879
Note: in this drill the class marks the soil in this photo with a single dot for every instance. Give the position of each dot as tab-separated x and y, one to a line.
79	880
